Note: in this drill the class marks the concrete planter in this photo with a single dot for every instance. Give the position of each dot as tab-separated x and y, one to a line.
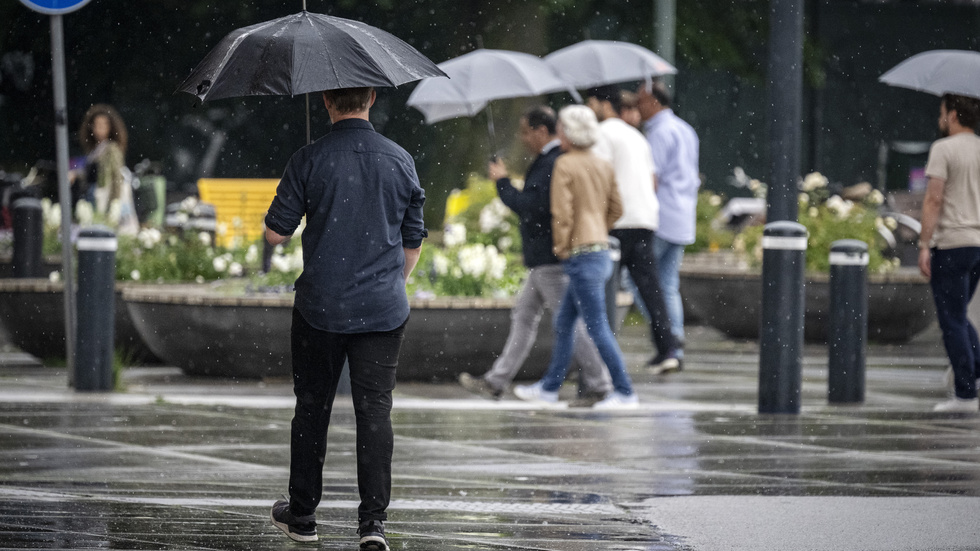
33	313
207	332
728	298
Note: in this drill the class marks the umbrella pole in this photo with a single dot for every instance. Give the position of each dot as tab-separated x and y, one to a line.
490	132
308	134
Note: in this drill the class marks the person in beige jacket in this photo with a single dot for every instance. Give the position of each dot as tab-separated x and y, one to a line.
585	203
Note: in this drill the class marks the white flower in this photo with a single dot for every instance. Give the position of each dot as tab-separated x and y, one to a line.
221	228
188	204
473	259
840	207
134	275
84	212
505	243
220	264
440	264
875	197
891	223
814	180
182	218
172	240
457	272
205	238
237	223
235	269
498	263
199	279
804	199
54	277
280	263
252	254
150	237
813	212
296	259
454	234
714	200
492	216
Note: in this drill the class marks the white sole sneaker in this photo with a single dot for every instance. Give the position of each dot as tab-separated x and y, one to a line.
959	405
534	393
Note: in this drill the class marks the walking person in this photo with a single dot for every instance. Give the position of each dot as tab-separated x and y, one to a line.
546	281
949	243
585	203
363	205
629	152
675	148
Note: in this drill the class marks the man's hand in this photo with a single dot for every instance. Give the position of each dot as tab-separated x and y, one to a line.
496	170
925	262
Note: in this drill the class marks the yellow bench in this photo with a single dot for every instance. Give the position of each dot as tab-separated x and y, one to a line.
240	205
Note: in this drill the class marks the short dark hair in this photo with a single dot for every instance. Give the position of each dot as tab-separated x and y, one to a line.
349	100
608	93
967	109
660	93
542	115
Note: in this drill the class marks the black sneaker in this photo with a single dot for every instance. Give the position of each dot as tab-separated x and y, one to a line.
588	399
297	528
666	363
372	534
479	386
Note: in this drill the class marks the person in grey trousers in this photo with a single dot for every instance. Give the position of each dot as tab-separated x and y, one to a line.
546	281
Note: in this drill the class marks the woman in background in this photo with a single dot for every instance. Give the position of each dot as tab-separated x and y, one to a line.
105	181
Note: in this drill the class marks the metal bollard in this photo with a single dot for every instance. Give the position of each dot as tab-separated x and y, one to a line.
848	329
28	221
781	329
96	309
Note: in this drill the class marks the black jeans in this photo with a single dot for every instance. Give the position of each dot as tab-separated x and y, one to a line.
318	360
636	246
955	274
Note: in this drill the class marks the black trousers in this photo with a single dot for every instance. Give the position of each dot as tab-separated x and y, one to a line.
318	360
636	246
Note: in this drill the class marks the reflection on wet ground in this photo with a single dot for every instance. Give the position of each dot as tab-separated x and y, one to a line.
176	463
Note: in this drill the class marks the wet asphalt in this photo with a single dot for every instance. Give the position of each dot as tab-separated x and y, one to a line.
173	462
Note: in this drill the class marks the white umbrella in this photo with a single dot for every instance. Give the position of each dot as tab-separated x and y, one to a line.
938	72
599	62
480	76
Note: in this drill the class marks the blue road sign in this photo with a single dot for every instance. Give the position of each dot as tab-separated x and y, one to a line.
54	7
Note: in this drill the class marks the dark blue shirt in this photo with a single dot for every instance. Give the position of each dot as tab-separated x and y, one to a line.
363	205
533	207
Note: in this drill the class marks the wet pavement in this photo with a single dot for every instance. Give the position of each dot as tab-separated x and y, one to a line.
180	463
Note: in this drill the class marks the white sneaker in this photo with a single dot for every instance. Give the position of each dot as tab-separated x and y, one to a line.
535	393
959	405
618	400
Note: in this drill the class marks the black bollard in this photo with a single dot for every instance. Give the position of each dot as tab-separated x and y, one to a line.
96	309
28	220
781	329
848	329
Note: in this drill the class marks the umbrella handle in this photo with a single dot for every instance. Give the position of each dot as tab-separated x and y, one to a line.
309	139
490	132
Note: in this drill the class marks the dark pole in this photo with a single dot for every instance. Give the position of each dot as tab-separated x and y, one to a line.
96	308
785	106
848	329
28	237
784	260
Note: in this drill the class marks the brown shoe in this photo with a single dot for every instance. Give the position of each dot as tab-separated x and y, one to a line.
479	386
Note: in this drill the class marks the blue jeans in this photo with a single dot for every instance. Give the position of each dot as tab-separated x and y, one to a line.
586	297
955	273
669	256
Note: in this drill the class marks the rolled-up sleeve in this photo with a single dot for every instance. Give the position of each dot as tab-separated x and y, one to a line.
413	228
289	204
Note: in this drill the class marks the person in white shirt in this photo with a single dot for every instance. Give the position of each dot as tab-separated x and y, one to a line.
628	151
675	149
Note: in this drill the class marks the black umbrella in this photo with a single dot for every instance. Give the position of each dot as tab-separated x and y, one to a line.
302	53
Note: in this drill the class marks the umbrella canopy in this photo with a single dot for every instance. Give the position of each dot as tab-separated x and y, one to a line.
938	72
305	52
480	76
598	62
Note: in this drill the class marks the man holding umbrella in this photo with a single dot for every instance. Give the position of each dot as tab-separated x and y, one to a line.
363	205
949	243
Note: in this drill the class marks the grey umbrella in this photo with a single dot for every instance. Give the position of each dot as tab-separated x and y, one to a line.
597	62
483	75
938	72
302	53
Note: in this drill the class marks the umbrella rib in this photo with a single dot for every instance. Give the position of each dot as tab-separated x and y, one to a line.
238	40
